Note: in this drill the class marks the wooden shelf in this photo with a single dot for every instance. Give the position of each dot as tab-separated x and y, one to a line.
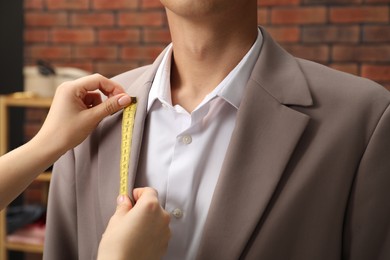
27	248
23	100
44	177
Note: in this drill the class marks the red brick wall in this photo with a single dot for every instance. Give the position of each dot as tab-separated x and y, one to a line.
112	36
105	36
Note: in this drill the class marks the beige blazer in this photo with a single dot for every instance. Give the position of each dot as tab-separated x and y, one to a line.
306	175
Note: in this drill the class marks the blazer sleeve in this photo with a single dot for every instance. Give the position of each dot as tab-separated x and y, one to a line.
367	224
62	212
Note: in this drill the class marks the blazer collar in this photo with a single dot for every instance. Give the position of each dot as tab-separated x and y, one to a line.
263	141
279	73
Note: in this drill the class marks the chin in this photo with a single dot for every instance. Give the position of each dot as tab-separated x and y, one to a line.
198	8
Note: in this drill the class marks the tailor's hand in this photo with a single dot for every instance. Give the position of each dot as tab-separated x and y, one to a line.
77	108
139	232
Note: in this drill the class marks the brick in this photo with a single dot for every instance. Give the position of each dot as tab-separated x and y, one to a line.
154	18
361	14
333	2
96	52
48	52
110	69
351	68
360	53
146	62
93	19
331	34
285	34
377	1
263	16
67	4
145	4
36	36
83	65
376	33
277	2
319	53
141	52
38	19
119	36
298	15
73	35
151	35
114	4
376	72
33	4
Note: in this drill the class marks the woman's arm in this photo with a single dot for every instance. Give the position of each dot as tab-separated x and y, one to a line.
76	110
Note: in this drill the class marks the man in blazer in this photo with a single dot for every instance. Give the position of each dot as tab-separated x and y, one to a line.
306	173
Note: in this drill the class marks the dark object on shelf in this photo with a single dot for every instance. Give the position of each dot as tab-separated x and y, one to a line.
45	68
20	216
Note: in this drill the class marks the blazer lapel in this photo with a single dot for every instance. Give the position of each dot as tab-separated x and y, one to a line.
265	136
109	138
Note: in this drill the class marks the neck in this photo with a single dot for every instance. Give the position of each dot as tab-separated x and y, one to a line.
205	51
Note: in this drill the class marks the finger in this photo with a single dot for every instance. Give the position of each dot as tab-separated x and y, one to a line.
110	88
97	81
111	106
92	99
144	192
123	205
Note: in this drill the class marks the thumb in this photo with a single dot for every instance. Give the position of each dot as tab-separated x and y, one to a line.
123	205
111	105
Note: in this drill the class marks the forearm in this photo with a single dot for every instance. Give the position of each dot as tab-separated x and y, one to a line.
21	166
76	110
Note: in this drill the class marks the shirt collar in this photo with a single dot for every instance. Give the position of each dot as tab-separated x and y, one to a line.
231	88
161	86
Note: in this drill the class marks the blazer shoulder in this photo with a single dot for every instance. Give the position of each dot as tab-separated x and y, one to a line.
131	75
330	82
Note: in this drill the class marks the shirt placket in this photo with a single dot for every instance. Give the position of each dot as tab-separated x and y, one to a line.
180	179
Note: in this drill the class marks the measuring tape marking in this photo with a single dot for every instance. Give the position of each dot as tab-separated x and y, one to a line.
126	139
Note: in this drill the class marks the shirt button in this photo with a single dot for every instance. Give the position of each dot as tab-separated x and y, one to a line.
187	139
177	213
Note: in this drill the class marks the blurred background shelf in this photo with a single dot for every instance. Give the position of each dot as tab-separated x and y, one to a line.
7	102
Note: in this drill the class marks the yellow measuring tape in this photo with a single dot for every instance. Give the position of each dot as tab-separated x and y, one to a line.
127	135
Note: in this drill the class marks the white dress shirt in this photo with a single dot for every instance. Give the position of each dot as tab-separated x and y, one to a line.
183	152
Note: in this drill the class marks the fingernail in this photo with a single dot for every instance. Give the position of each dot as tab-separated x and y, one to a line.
125	100
120	199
